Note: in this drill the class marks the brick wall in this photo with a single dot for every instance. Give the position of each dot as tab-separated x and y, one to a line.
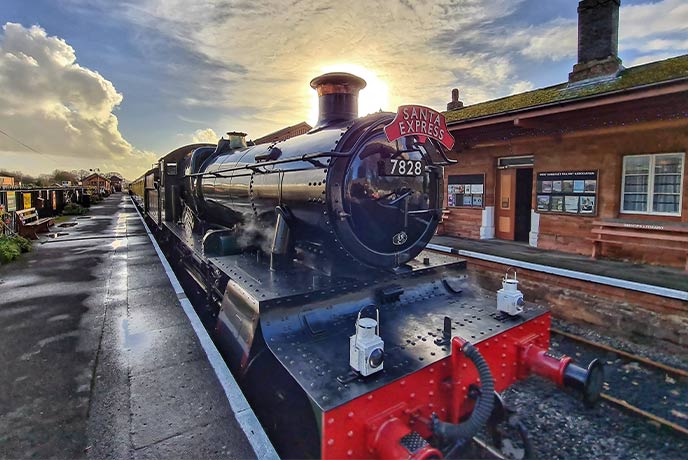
465	222
613	311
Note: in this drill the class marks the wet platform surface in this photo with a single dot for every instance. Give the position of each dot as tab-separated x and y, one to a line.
98	358
666	277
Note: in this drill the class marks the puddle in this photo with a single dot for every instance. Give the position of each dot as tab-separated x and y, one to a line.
55	235
68	224
132	341
84	217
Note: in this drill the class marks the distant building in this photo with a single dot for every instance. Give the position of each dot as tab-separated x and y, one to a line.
7	181
284	133
553	166
98	182
116	183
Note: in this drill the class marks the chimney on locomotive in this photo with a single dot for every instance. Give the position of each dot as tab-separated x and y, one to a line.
237	140
337	97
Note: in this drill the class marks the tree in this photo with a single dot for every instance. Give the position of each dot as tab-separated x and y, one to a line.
60	176
82	173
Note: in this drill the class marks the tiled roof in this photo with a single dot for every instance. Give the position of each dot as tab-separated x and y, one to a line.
652	73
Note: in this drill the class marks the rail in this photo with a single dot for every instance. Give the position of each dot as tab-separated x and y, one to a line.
622	403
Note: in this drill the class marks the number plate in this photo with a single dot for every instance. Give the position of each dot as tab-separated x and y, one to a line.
401	167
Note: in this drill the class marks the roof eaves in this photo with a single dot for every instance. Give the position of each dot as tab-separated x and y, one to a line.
633	78
563	102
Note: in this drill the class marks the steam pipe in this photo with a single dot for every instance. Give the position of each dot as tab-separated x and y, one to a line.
280	255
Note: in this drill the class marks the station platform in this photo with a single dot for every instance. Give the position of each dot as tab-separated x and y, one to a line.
667	279
101	357
646	304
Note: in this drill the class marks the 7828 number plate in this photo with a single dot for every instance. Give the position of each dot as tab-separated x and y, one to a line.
401	167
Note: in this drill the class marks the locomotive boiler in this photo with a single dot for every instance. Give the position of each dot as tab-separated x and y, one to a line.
307	260
343	188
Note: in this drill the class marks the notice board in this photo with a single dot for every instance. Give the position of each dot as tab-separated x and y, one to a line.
567	192
466	190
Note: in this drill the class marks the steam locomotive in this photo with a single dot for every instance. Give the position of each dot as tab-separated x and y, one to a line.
307	260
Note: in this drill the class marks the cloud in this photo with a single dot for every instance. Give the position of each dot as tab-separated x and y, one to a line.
521	87
245	65
205	136
651	19
256	58
655	30
59	108
554	41
647	58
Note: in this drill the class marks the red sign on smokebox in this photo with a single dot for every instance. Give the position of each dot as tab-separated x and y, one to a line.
416	120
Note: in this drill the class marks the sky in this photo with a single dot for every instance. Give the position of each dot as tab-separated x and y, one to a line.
116	84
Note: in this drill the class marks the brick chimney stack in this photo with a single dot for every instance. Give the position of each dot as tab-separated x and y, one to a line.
455	103
598	38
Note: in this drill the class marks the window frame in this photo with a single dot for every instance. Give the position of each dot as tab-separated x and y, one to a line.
651	184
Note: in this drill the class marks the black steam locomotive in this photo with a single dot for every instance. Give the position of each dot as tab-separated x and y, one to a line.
306	258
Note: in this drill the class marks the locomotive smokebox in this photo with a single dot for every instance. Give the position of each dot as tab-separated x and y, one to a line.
337	97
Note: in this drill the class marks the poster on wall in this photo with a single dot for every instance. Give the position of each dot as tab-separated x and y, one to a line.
571	204
569	192
587	204
543	202
466	190
11	201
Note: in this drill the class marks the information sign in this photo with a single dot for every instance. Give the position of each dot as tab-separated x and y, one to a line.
424	122
568	192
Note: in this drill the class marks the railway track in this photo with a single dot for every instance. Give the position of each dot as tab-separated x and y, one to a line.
626	389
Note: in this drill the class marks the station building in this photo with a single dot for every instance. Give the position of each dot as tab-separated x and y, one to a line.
116	184
97	181
598	157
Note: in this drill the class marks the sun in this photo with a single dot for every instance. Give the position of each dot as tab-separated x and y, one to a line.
373	98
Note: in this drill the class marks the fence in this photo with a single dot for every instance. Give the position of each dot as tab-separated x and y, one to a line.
48	202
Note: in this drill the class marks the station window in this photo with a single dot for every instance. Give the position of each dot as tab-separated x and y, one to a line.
652	184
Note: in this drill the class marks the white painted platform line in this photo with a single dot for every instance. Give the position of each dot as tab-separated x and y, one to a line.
615	282
243	413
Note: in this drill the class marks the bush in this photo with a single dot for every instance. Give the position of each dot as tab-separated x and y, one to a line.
23	244
9	250
73	209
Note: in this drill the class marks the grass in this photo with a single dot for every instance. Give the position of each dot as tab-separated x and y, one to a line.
12	246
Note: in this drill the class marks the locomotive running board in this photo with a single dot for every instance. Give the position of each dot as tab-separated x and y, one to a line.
306	322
